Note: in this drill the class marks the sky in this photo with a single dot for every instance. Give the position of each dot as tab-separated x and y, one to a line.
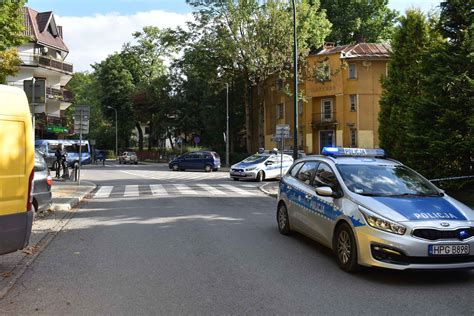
94	29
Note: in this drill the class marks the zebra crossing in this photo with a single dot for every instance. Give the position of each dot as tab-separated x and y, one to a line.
168	175
176	189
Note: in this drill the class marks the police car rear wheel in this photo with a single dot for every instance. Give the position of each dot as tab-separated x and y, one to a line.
259	177
282	219
346	249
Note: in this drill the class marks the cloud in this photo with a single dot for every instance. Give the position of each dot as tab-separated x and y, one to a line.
91	39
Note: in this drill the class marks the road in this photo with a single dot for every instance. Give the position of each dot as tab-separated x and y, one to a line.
153	241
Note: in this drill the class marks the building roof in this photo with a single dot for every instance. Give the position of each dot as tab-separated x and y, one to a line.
358	51
42	27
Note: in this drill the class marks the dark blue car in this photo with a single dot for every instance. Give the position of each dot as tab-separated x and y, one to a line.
201	160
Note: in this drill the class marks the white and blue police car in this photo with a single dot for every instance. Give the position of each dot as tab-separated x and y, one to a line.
263	165
374	211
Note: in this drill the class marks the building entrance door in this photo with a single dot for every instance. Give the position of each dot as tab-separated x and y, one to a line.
326	139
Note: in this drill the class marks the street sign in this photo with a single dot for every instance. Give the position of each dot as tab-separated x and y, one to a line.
81	119
282	130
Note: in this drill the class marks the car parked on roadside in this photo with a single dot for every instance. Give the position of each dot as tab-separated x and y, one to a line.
200	160
261	166
128	157
42	182
375	212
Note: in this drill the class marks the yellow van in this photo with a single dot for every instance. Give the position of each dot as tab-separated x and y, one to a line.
16	169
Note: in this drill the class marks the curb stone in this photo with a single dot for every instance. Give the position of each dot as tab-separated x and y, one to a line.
38	248
264	190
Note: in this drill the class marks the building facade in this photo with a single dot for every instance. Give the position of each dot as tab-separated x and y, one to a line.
44	68
342	89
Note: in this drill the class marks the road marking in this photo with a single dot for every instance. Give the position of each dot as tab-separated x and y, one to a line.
210	189
104	192
235	189
184	189
158	190
131	191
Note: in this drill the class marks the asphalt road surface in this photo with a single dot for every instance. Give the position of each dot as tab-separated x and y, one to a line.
153	241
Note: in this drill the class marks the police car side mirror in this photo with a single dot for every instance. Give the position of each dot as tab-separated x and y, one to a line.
325	191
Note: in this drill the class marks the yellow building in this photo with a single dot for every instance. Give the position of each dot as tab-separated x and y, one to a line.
342	90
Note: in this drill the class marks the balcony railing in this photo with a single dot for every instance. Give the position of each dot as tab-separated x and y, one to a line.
324	119
47	62
59	94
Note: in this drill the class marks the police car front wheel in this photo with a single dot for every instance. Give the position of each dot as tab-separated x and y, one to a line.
282	219
345	248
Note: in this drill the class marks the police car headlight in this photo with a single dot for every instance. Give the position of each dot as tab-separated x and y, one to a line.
383	224
250	169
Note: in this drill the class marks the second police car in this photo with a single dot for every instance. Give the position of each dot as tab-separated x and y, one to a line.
374	211
263	165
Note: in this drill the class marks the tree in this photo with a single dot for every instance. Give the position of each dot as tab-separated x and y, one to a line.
442	124
402	87
359	20
11	36
254	37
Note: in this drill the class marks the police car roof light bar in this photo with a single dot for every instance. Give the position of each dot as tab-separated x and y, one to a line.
353	152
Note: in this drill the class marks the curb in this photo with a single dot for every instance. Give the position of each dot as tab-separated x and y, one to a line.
264	190
27	260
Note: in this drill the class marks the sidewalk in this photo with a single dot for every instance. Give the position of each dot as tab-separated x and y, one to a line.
66	196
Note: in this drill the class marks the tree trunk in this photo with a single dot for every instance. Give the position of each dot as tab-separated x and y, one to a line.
171	139
248	120
261	115
150	135
140	136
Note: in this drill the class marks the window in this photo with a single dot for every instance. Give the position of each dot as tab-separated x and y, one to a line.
307	171
326	110
353	138
295	169
325	177
353	102
352	71
279	84
323	72
280	111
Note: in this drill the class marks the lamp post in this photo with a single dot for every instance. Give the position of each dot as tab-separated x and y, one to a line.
295	85
227	126
116	131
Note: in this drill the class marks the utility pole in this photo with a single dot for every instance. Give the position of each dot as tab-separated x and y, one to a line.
227	127
295	85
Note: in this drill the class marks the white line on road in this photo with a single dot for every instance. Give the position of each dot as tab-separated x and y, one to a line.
158	190
131	191
235	189
184	189
210	189
104	192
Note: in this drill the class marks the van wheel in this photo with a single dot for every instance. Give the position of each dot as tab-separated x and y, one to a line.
175	167
208	168
345	248
260	176
235	179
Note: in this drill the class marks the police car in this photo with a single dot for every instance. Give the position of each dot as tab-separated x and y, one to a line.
374	211
263	165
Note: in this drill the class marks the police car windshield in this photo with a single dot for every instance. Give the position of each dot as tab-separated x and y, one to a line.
258	158
381	180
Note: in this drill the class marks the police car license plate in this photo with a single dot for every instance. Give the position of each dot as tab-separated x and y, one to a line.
448	250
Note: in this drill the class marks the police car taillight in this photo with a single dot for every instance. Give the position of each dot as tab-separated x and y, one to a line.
353	152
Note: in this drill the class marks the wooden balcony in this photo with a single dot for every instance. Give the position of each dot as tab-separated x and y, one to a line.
59	94
46	62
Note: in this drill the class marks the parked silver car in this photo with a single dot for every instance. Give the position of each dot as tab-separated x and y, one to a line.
42	182
128	157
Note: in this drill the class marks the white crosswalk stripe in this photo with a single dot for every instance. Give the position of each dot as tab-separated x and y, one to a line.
235	189
165	190
210	189
184	189
104	192
131	191
158	189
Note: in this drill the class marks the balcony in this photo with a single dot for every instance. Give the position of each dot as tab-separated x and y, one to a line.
59	94
46	62
323	120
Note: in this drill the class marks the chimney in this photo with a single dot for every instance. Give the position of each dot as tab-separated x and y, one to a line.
329	45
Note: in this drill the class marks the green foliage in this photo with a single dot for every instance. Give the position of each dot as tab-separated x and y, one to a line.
427	110
11	36
354	21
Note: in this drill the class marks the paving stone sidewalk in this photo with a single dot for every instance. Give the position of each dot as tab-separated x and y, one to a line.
66	196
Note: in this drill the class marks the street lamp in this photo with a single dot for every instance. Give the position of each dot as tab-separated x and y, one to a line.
295	85
116	131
